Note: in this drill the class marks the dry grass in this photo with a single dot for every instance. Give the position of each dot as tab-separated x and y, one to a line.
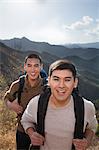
7	141
7	127
95	144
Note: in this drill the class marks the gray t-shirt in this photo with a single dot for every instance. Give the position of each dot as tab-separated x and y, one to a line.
59	123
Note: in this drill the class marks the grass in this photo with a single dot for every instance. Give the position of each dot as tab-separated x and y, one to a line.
7	128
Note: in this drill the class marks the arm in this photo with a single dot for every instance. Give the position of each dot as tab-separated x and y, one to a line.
29	118
36	138
10	98
89	134
14	106
83	144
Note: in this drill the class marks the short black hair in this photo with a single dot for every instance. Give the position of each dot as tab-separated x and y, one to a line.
33	56
62	65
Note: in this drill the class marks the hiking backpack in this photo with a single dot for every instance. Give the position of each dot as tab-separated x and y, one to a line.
41	113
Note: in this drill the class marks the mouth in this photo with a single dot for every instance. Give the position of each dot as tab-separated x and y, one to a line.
33	74
61	92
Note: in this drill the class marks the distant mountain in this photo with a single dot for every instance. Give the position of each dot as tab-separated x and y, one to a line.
91	65
11	63
25	44
84	45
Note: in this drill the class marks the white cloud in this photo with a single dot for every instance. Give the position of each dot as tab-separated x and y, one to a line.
85	22
94	31
87	29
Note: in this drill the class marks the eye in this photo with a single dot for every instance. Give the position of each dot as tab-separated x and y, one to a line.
36	65
55	79
67	79
28	65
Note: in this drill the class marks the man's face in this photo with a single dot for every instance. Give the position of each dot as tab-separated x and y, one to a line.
62	83
32	67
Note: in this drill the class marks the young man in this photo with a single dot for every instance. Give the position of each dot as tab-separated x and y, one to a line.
32	87
60	116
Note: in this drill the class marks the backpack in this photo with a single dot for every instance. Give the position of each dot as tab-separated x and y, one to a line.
21	85
41	113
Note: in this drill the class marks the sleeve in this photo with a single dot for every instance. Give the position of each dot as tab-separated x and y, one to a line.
11	93
92	121
29	117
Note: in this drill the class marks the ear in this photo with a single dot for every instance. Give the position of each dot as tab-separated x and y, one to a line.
76	82
24	66
41	66
49	80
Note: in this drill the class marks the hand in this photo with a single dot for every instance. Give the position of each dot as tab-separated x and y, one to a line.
15	107
37	139
80	144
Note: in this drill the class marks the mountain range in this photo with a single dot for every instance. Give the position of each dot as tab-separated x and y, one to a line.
13	52
83	45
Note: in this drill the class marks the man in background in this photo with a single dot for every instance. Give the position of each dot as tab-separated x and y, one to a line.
32	87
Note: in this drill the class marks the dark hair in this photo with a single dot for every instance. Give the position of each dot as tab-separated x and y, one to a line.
33	56
62	65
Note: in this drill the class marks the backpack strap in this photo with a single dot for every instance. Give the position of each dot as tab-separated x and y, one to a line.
41	113
45	81
42	108
21	85
79	116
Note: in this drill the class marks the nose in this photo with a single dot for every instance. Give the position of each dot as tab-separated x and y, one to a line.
61	83
33	68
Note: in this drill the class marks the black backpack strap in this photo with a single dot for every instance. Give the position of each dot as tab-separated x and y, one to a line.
21	85
79	116
42	107
41	113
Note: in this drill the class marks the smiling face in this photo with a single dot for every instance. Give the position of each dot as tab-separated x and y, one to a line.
62	83
32	67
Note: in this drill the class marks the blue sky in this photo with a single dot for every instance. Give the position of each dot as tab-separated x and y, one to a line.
52	21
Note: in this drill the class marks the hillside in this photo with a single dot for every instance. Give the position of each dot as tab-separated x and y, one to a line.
88	68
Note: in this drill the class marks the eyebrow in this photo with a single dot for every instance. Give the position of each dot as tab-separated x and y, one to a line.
64	77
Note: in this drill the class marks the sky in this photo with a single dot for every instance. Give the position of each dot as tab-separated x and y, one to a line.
52	21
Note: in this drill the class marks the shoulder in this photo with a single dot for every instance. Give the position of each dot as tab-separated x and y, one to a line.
14	85
90	115
88	103
34	99
20	79
89	106
15	82
33	102
32	105
10	93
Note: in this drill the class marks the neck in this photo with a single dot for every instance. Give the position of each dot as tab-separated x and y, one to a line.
57	103
33	82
